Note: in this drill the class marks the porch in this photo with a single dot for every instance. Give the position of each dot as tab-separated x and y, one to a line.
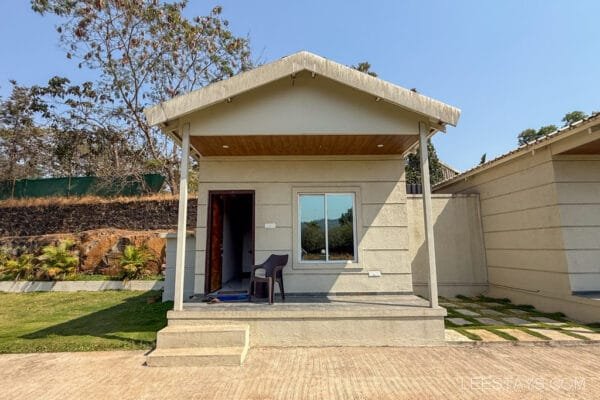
314	152
222	333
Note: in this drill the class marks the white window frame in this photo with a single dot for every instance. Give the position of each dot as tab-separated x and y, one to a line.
299	231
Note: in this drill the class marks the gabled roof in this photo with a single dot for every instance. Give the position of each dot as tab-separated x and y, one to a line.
438	112
537	143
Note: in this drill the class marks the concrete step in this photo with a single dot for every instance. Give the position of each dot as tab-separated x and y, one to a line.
189	336
197	357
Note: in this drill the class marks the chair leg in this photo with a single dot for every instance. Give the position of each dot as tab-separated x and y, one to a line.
280	282
271	286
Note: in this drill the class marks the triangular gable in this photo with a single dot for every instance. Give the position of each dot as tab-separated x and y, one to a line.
438	112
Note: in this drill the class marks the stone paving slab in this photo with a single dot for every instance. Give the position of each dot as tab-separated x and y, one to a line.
459	321
455	336
516	321
493	313
471	305
518	311
488	321
487	336
466	312
546	320
520	335
553	334
490	304
448	305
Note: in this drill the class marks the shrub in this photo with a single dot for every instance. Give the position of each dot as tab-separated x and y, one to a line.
135	262
21	267
57	262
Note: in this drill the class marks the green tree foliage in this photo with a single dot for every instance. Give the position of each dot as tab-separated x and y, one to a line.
341	236
145	52
573	117
365	67
530	134
413	166
313	237
527	136
23	145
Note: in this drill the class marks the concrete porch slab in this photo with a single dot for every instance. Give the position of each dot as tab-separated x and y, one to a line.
371	320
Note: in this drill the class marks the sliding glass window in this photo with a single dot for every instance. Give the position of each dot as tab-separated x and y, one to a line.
327	227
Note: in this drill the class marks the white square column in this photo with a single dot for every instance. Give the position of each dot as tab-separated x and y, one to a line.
427	213
182	219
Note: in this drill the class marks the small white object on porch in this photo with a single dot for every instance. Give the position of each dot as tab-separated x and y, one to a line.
182	219
427	213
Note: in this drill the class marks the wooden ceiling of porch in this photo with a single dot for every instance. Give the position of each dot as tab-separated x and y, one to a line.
288	145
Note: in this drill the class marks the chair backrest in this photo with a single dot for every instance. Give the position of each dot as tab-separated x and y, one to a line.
275	261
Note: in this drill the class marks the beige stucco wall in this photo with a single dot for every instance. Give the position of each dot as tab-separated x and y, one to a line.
379	186
459	249
304	105
541	229
521	224
578	190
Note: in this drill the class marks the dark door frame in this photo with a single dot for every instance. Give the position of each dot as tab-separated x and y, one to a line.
207	255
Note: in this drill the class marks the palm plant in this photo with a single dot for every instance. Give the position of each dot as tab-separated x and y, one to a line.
21	267
135	262
57	262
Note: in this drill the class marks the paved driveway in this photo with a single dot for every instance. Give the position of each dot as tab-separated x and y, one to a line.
492	372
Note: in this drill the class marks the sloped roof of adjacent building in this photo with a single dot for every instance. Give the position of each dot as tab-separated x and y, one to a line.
438	112
537	143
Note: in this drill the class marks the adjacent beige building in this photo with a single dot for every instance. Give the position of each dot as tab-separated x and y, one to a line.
540	212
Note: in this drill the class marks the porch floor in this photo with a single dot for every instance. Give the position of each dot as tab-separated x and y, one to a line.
326	303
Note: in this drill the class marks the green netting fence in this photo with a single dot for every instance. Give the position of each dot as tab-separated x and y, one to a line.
81	186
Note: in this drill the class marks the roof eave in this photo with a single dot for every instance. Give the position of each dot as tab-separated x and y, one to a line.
544	141
177	107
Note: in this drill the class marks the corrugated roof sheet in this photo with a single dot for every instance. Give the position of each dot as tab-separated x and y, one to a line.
521	149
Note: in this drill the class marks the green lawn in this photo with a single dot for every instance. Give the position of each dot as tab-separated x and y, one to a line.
80	321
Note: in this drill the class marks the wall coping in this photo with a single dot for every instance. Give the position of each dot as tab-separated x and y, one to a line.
173	235
78	286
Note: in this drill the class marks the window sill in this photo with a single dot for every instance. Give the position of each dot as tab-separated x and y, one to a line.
348	266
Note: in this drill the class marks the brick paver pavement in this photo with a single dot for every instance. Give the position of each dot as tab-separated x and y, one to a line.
490	372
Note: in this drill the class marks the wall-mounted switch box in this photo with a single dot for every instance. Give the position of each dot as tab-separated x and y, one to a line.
270	225
374	274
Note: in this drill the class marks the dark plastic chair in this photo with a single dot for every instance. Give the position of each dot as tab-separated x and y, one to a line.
273	272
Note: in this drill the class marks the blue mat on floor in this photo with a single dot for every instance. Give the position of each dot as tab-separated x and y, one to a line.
232	297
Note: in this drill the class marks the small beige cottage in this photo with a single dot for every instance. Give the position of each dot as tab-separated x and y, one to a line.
301	157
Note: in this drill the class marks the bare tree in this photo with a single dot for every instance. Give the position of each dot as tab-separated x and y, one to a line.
146	52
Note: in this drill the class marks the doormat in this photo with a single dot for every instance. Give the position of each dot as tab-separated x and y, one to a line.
231	295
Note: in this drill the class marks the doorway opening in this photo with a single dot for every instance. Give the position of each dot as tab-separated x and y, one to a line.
230	241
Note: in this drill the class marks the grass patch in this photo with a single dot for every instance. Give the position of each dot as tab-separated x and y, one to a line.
486	299
80	321
468	334
532	333
595	326
503	335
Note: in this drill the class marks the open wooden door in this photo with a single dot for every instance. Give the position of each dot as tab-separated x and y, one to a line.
230	239
215	232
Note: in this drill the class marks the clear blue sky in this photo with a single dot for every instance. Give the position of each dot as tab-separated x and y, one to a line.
507	64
